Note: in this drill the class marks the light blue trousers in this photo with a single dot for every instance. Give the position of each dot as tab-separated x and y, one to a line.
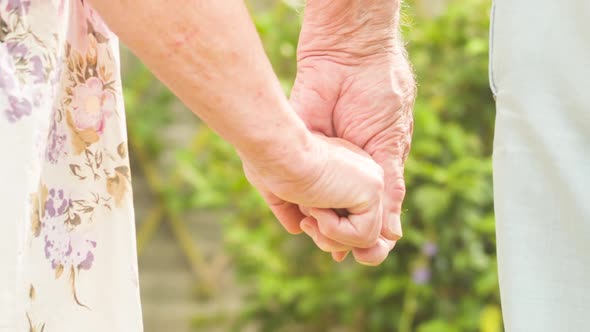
540	75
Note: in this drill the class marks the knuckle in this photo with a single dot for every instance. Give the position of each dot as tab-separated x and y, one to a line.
373	256
375	186
292	229
304	210
324	247
370	258
368	234
328	229
396	186
373	237
378	182
399	189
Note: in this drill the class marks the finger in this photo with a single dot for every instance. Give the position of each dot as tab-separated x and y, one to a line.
287	213
310	227
375	255
340	256
304	210
395	191
355	230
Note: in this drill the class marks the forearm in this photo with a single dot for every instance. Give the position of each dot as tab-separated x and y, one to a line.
350	28
209	54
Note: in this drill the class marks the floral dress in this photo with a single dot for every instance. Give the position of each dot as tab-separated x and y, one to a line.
67	238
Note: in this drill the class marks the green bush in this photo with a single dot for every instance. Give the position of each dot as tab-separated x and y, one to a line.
442	275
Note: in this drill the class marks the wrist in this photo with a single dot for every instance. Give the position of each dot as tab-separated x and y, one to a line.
328	11
280	148
349	29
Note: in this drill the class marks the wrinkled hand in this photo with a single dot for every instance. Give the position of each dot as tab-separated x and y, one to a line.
328	174
364	96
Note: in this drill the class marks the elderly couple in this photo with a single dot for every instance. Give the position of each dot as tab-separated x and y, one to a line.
329	162
339	143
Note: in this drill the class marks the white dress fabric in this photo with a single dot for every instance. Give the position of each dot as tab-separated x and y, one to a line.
67	238
540	73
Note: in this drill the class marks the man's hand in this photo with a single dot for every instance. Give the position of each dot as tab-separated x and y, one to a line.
354	82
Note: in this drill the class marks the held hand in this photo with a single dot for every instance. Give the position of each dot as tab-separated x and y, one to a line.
364	95
328	174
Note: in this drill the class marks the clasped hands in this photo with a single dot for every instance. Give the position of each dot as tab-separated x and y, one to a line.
344	185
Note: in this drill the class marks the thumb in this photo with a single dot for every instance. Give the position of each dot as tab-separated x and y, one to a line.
314	102
395	191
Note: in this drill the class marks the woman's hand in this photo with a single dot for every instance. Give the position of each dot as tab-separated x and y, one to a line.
324	174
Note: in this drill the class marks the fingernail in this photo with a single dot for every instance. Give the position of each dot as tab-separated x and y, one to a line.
308	229
395	226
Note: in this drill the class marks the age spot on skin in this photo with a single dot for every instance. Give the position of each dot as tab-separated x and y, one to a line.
183	37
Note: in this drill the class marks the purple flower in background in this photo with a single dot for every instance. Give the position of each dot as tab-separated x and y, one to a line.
430	249
421	275
19	107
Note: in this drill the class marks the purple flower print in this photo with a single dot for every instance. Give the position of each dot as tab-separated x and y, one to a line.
56	204
421	275
18	108
17	50
26	61
81	255
37	69
56	142
57	241
6	79
21	6
65	246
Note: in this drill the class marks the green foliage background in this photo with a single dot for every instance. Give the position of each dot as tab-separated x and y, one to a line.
442	275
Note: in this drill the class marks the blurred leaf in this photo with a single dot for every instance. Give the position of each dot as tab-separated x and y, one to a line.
491	319
436	326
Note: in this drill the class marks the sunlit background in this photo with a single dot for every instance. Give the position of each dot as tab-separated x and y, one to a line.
212	257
